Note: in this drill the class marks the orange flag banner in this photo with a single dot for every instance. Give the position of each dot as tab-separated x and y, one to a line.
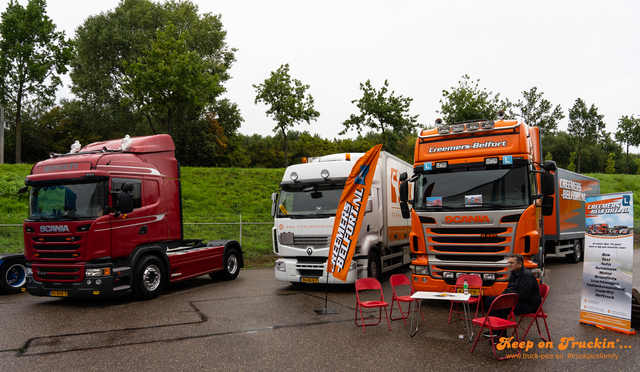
350	214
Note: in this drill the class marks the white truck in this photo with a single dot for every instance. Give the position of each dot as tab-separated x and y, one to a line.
304	210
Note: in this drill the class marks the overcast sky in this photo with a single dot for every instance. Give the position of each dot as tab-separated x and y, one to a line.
568	49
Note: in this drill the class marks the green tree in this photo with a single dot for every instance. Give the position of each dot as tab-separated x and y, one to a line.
131	62
585	124
32	56
548	156
382	112
469	102
169	78
538	111
628	134
572	165
610	167
287	102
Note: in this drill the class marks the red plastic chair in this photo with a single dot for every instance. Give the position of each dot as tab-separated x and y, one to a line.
367	284
493	323
473	282
540	314
399	280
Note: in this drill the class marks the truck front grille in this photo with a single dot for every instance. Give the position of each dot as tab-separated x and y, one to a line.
65	273
314	241
56	247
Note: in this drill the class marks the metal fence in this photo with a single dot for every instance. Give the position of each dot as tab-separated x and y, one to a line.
255	237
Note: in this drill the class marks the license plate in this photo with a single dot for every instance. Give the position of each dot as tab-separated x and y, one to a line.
58	293
309	280
472	291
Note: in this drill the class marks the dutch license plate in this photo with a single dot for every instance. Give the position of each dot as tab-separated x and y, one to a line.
58	293
309	280
472	291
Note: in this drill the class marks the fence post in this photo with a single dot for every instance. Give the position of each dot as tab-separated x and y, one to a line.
241	229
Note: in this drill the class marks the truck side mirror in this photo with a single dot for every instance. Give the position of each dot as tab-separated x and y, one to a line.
404	195
404	188
547	206
548	183
549	165
274	202
125	202
127	187
125	198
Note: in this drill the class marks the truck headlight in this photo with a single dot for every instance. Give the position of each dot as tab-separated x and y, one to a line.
448	275
280	266
29	271
353	266
489	276
104	271
419	270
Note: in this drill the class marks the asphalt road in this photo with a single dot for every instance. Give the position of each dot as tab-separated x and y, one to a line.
257	323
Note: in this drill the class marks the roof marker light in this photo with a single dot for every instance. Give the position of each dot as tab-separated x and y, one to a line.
487	124
473	126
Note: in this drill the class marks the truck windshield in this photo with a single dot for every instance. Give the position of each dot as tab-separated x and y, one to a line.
483	189
309	201
67	201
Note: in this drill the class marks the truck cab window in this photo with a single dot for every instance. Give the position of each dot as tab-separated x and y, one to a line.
67	201
116	185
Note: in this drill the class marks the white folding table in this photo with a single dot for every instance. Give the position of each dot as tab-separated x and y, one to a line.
444	296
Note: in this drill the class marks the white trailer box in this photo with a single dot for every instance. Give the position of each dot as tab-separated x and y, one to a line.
304	210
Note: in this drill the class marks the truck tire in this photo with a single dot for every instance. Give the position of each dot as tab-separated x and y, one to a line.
231	264
13	275
374	268
576	256
148	278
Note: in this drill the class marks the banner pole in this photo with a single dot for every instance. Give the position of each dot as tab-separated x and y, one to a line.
326	311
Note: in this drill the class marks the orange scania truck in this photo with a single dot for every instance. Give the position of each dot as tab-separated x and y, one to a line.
479	194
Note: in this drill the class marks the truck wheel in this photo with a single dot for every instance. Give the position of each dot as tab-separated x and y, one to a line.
576	256
374	270
13	275
148	278
231	265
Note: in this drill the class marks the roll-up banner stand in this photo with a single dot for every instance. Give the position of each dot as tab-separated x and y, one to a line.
608	262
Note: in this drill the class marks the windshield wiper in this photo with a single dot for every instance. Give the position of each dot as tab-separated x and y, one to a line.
68	218
321	215
441	207
499	206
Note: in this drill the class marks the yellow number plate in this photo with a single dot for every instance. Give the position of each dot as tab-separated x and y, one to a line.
309	280
472	291
59	294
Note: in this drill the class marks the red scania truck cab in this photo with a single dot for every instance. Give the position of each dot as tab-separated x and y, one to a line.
106	221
